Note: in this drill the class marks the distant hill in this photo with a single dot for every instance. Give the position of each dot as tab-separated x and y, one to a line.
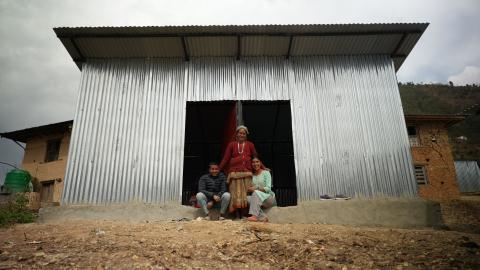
448	99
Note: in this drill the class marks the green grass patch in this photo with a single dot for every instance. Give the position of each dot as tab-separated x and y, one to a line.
14	210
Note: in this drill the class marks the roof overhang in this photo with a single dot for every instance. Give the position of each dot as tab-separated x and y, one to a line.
447	120
396	40
24	134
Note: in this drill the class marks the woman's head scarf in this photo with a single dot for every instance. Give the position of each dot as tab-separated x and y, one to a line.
242	127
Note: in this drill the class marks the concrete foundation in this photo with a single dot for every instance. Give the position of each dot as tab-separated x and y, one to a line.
395	213
379	212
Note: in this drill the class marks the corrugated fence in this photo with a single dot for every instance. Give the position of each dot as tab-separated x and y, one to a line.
468	175
347	122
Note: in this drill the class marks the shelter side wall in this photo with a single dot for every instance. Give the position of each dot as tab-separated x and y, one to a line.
127	141
350	135
348	127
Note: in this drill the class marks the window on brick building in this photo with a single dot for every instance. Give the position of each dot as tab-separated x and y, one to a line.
413	136
53	150
421	175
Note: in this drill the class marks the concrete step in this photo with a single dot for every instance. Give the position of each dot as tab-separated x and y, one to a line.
395	213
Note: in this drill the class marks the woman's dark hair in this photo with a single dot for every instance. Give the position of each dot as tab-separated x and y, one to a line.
261	163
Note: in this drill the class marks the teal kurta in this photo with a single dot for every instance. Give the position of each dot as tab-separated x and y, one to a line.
264	179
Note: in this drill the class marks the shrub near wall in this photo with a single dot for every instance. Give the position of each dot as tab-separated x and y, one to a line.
14	210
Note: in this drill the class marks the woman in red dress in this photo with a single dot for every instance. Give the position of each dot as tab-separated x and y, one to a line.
237	164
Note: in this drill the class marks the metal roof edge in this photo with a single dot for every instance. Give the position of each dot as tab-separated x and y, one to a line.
448	119
74	31
73	38
21	134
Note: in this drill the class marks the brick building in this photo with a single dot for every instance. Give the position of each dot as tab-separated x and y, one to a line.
45	157
432	155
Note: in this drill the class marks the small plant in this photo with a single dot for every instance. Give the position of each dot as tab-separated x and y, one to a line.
15	210
37	186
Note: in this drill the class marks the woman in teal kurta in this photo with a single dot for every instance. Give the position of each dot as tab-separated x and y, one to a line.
262	195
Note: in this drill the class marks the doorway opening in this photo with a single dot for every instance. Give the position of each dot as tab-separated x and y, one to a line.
46	192
211	125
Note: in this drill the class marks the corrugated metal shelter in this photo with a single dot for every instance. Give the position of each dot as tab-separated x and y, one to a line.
468	175
349	134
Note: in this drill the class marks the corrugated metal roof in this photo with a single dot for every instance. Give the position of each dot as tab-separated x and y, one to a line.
234	29
396	40
446	119
133	47
24	134
264	45
211	46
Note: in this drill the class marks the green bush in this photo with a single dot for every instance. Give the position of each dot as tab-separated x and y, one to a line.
15	210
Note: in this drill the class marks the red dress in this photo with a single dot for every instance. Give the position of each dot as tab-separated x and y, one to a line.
238	157
237	163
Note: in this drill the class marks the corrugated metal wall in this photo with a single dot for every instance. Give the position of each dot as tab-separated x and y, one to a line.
348	126
468	175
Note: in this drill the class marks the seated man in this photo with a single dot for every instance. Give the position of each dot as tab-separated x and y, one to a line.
212	188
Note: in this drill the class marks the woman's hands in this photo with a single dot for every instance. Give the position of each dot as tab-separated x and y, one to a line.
253	188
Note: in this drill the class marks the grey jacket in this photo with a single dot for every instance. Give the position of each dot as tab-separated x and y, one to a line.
210	185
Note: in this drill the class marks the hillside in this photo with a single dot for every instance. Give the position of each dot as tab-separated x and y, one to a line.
446	99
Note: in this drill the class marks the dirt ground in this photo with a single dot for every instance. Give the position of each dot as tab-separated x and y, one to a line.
462	215
87	244
231	245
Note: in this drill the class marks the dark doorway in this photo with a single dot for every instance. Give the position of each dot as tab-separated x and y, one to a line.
210	125
206	131
270	125
46	193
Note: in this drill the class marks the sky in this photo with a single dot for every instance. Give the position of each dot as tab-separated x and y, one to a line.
39	81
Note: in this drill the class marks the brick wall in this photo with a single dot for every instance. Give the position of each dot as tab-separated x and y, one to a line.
435	154
34	161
